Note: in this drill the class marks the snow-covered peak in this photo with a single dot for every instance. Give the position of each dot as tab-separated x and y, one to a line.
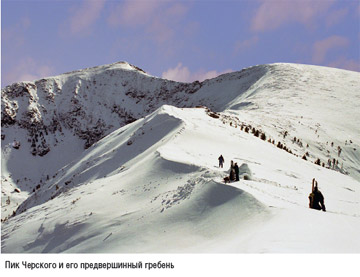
91	71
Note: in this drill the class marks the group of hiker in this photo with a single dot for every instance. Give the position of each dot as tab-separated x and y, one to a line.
316	199
234	169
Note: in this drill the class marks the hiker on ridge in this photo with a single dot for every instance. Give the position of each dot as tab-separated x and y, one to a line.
232	171
316	199
221	161
236	168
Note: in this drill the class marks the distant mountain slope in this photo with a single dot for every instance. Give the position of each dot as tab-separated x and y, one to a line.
316	106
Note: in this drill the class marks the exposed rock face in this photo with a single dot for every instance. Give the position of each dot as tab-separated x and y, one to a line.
93	102
89	103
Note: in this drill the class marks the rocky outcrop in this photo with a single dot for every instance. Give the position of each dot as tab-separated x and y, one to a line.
89	103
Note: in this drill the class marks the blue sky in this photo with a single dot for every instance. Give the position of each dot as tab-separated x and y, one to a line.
180	40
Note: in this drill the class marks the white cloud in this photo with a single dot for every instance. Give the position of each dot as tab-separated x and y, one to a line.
182	73
27	70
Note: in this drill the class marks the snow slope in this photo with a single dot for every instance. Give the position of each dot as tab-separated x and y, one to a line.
154	185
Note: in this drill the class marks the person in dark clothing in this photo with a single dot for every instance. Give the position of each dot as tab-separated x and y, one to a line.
232	175
236	168
232	171
316	199
221	161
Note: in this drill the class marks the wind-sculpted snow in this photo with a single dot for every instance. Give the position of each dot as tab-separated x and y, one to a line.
114	154
110	158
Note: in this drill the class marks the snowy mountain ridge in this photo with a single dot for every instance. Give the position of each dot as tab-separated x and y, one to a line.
116	133
74	110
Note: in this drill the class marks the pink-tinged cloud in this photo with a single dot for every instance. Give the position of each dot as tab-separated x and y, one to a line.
182	73
158	19
321	47
176	11
163	25
347	64
243	45
133	12
179	73
336	16
14	35
272	14
85	16
159	31
27	69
